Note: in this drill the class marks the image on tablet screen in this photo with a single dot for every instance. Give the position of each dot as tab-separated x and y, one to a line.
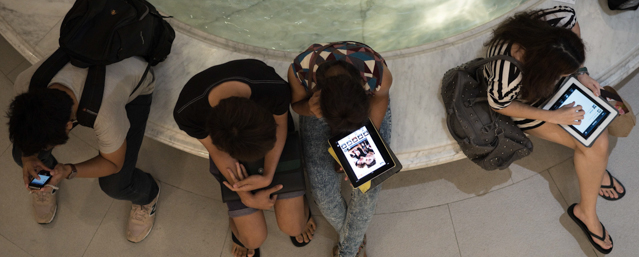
593	113
361	152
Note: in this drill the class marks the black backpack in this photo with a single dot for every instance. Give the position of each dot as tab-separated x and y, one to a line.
489	139
96	33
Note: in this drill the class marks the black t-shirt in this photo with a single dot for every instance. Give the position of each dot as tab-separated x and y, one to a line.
268	90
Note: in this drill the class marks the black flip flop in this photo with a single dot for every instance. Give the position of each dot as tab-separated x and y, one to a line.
294	241
236	241
584	228
612	186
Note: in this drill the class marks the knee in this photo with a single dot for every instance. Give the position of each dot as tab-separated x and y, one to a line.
599	148
253	240
112	189
290	227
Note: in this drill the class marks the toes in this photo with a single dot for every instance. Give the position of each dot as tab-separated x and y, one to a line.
618	186
251	253
299	238
306	238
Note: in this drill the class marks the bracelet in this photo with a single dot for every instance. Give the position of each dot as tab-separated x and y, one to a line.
581	71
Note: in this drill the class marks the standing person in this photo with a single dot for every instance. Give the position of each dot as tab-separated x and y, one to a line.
337	87
239	112
41	119
547	42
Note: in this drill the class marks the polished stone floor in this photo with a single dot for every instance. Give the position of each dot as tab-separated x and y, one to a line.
454	209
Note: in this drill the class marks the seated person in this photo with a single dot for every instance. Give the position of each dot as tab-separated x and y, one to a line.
336	87
547	42
239	112
41	119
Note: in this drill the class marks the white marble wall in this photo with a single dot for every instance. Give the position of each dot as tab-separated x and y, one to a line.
420	137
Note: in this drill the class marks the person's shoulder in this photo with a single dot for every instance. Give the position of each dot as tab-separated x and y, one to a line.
131	64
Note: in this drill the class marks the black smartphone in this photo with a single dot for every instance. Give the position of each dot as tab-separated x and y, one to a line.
37	184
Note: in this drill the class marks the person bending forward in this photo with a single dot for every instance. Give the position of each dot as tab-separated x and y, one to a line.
239	112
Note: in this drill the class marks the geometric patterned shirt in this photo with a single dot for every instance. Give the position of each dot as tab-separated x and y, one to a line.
369	63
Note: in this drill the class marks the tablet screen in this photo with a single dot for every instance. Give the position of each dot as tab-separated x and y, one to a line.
594	114
362	153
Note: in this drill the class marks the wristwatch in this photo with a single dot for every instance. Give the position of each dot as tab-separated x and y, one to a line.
74	171
581	71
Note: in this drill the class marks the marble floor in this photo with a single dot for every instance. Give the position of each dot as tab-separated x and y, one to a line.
454	209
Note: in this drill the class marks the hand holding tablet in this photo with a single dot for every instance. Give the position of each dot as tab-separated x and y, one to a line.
597	113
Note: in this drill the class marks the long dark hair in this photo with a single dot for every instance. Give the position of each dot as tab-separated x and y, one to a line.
344	103
549	52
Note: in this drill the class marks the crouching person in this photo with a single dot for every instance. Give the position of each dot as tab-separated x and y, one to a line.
41	119
239	112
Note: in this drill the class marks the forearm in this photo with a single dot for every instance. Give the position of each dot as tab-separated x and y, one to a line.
521	110
379	105
302	108
96	167
272	158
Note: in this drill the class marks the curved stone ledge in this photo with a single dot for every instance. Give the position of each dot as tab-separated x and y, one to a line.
420	137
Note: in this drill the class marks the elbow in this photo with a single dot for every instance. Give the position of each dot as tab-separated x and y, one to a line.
116	169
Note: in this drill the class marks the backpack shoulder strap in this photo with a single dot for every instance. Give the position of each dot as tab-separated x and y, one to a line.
92	94
48	69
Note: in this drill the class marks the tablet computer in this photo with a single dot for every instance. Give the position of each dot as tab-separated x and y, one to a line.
365	156
598	113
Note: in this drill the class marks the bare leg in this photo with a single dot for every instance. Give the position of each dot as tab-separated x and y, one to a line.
292	215
590	165
251	231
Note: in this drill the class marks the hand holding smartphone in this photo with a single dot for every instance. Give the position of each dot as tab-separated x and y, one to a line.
37	184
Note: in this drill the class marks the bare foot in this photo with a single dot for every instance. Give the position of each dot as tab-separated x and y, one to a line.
594	226
239	251
610	192
307	235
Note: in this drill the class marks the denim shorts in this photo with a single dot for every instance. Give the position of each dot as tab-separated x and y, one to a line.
237	208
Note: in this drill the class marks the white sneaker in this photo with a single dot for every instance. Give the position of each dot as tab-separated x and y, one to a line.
141	219
45	206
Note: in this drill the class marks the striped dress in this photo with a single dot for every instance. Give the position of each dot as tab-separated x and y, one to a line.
504	78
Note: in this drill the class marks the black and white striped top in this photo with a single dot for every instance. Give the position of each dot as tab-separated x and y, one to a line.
504	78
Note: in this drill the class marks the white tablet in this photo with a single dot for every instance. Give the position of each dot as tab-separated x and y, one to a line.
598	112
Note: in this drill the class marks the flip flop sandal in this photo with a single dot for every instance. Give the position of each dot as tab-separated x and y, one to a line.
584	228
236	241
612	186
294	240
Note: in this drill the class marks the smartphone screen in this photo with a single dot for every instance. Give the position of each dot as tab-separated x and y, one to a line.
44	178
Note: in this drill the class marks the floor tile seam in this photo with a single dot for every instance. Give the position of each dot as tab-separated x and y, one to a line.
83	141
464	199
556	186
6	150
452	222
98	228
15	245
14	68
225	239
189	191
